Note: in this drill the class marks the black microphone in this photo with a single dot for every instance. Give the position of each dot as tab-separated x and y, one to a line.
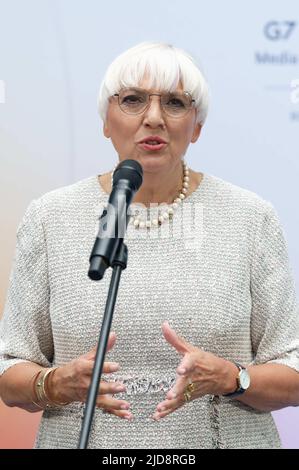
127	179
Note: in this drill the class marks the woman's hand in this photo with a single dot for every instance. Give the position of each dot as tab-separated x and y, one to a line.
210	374
71	382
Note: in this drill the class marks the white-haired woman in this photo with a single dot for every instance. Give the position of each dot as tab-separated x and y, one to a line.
205	341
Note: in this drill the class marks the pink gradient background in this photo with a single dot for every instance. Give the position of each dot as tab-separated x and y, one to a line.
17	428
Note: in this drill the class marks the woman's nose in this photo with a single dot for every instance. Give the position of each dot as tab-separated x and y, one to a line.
153	115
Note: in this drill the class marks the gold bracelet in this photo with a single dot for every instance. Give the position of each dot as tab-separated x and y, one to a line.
50	401
40	390
36	404
34	392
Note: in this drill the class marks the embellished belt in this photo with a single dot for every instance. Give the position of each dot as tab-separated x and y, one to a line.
136	385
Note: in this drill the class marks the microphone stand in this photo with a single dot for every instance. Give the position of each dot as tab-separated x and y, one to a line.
109	250
118	264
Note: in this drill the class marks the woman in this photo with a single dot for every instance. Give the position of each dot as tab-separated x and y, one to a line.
205	342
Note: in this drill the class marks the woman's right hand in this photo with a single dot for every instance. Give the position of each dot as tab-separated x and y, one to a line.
71	382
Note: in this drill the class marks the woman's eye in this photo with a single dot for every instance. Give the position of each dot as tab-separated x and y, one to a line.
131	99
176	102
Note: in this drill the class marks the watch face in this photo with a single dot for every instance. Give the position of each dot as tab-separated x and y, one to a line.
244	378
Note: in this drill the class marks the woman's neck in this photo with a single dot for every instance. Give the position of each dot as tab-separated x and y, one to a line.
158	189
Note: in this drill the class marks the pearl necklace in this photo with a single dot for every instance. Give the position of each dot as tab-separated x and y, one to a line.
168	212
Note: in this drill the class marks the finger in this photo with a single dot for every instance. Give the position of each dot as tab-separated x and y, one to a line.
188	364
110	367
167	404
107	402
166	407
111	388
178	388
179	343
121	414
111	341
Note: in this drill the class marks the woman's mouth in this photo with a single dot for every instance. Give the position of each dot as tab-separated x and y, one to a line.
152	146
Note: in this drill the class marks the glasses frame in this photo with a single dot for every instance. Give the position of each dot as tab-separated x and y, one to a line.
149	102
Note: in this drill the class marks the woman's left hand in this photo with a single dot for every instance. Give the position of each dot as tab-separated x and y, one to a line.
210	374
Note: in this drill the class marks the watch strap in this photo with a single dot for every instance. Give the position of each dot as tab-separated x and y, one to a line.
239	390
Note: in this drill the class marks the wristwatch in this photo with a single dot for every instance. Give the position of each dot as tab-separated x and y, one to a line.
243	381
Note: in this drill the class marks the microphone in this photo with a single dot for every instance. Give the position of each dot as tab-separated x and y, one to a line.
127	179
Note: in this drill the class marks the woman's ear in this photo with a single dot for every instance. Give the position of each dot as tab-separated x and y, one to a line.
106	131
196	132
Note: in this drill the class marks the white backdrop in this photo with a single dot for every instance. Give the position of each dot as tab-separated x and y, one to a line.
53	54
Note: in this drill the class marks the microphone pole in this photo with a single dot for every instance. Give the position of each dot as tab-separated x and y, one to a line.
109	250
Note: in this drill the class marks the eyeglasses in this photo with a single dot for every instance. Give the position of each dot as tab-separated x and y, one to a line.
136	101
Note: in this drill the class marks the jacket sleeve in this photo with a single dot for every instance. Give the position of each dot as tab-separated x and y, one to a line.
25	328
275	315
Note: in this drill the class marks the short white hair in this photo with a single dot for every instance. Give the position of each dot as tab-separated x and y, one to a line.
164	66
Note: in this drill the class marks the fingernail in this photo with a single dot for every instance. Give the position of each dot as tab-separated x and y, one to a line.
125	407
182	370
120	388
114	366
161	408
128	416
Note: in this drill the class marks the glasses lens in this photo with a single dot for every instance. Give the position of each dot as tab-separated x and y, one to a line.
132	101
176	104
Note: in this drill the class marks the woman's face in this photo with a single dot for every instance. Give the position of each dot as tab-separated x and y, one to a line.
127	130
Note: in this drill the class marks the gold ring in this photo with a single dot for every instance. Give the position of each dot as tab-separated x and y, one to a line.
191	387
188	391
187	396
